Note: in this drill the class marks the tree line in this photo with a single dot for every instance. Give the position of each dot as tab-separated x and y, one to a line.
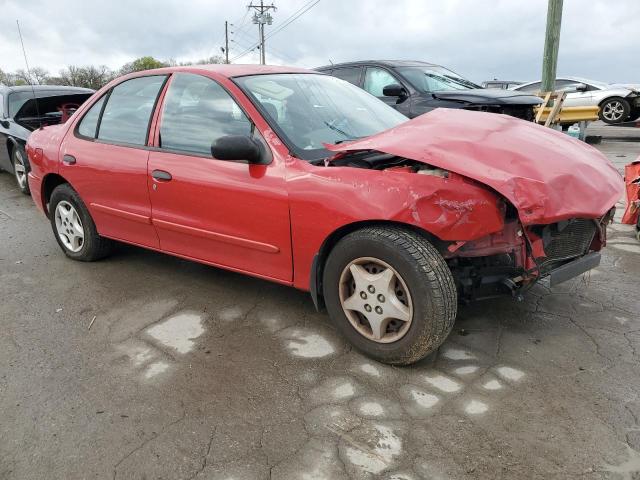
90	76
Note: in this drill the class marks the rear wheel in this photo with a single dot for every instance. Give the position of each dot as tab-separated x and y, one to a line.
614	110
21	168
390	293
73	226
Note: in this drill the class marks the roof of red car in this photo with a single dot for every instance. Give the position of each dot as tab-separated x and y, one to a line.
236	70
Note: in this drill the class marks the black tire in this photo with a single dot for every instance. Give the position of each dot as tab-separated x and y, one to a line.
19	160
94	247
425	273
609	102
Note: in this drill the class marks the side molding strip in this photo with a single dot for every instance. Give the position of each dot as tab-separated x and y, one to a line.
220	237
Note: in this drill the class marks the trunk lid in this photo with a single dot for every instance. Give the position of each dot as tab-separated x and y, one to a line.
547	175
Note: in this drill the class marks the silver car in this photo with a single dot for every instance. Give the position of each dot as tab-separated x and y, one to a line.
618	103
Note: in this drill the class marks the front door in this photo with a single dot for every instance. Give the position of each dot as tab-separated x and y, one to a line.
104	158
226	213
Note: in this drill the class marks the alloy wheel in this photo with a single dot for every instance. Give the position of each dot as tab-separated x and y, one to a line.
69	226
20	169
613	110
375	300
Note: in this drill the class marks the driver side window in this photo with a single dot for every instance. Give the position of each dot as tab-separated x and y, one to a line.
376	79
196	112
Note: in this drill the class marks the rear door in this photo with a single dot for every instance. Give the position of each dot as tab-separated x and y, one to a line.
226	213
104	157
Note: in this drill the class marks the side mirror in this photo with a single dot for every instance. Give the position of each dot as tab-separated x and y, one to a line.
237	147
394	90
581	87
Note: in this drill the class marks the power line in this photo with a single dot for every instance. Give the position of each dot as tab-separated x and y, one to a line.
294	16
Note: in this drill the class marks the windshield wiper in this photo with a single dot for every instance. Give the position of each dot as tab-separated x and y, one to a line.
338	142
341	132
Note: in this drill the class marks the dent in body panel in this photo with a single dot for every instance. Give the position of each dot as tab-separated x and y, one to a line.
324	199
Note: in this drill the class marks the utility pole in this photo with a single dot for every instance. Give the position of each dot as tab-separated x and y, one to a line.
226	42
551	45
262	17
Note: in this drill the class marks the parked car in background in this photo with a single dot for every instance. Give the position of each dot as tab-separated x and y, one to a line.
500	84
306	180
414	88
618	103
25	108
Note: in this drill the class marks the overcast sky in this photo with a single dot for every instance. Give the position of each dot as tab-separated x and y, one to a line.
480	39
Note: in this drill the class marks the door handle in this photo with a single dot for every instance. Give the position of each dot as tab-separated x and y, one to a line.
69	159
161	175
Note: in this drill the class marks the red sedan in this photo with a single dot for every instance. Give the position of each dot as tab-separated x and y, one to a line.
303	179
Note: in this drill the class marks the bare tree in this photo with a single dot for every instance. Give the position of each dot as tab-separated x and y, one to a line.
39	76
87	77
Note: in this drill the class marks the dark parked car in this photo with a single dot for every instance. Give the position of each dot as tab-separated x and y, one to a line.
20	114
414	88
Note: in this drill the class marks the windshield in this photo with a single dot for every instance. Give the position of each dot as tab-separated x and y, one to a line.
429	79
310	110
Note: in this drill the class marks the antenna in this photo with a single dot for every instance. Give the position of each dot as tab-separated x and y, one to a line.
33	90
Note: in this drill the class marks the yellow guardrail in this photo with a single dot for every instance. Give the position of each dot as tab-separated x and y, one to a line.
570	114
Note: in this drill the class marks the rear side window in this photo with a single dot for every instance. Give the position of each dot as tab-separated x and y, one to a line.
196	112
89	123
350	74
127	114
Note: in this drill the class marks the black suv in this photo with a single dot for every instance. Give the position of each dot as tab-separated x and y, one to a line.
25	108
414	88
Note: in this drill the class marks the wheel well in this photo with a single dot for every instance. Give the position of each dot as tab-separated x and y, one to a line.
320	258
610	98
49	183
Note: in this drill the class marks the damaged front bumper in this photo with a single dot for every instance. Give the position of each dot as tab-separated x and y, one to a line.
520	257
572	269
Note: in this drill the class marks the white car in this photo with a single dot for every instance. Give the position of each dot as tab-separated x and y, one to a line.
618	103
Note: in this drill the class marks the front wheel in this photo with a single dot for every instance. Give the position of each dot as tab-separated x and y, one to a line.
614	110
21	168
390	293
73	226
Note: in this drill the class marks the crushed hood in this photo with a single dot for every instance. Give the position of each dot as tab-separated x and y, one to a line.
547	175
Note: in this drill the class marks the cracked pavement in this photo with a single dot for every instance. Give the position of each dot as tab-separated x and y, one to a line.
190	372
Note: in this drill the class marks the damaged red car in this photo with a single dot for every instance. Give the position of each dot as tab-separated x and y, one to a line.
304	179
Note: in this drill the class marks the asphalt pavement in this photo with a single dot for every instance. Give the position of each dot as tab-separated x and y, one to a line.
145	366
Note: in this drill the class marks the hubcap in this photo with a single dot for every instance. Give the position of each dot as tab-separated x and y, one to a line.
20	169
375	300
613	110
69	226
